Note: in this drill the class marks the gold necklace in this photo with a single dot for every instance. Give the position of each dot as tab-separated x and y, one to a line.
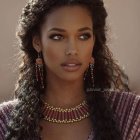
69	115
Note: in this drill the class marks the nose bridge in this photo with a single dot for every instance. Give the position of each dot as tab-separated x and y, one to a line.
71	46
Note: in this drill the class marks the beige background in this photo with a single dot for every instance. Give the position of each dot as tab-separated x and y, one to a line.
124	40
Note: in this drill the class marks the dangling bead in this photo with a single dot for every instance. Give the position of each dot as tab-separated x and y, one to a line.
92	76
39	70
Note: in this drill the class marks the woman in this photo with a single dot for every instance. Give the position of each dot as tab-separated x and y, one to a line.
66	76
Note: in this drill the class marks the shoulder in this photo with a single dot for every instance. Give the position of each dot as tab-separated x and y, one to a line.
6	108
121	97
8	103
126	106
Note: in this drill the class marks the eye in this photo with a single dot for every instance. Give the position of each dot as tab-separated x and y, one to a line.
56	36
85	36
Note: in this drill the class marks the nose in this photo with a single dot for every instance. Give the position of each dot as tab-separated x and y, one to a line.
71	52
71	49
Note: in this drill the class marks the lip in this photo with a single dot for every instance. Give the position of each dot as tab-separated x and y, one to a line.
71	65
71	61
72	68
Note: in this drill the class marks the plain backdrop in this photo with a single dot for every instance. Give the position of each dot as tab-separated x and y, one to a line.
123	31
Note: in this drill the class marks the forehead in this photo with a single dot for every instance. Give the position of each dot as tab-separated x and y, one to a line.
68	17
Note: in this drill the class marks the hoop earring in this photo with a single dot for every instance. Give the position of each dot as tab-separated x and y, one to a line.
39	70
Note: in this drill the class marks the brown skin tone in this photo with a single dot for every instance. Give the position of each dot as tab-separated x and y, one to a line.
65	89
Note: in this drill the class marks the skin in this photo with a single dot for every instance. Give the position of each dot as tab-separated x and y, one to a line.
65	89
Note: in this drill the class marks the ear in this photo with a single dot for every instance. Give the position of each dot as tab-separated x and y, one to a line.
36	43
92	60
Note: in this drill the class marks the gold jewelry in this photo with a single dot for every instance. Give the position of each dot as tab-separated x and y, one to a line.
69	115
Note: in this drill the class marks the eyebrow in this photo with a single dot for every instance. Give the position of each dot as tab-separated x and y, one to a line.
62	30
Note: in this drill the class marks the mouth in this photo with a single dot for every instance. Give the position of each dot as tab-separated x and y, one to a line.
71	67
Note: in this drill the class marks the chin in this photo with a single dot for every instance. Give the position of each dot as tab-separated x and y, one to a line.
71	77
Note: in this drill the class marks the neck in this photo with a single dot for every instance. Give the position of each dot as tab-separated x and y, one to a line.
64	93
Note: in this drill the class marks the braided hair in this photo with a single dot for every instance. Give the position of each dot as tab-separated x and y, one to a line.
25	117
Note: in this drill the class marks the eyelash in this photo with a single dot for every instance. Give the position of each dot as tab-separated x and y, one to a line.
88	35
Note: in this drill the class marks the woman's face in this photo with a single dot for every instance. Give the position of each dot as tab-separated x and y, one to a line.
73	39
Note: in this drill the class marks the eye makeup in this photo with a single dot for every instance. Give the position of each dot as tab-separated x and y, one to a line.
58	36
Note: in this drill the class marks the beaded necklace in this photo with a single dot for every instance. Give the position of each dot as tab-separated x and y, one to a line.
68	115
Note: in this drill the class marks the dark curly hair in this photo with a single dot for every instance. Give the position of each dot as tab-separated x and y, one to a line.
25	117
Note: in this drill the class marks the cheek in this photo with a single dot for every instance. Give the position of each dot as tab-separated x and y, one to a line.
51	55
87	52
50	52
87	47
